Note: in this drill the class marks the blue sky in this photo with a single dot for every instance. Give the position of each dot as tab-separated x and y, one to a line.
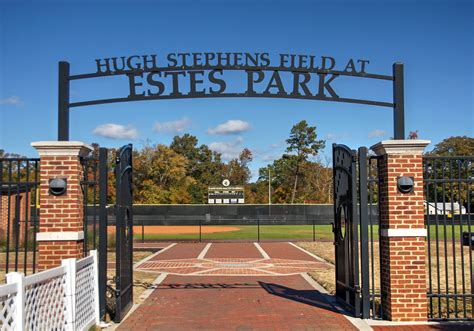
434	39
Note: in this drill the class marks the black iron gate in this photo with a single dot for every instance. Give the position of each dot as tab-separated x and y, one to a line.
115	295
19	214
124	228
356	258
346	239
449	219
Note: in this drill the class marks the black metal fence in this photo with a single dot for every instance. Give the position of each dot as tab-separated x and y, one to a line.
356	239
449	199
372	234
245	222
19	221
90	191
94	188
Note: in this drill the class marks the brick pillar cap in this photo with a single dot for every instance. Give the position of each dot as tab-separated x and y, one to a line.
62	148
401	147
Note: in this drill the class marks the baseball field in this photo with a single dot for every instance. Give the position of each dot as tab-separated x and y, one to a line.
234	232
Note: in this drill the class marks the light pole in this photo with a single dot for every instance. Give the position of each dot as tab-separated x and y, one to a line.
269	187
269	192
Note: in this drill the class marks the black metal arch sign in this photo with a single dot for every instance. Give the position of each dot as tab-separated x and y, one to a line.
203	75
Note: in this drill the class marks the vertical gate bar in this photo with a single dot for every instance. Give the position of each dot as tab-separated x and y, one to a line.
437	221
9	215
27	209
130	229
426	189
354	231
379	239
364	232
118	236
314	231
143	230
371	225
84	204
94	199
398	101
35	211
103	222
453	239
63	101
445	234
471	247
463	278
336	268
17	224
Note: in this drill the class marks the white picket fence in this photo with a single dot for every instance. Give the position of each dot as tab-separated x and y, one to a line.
63	298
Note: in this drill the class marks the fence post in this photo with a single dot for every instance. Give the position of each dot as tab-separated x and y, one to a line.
61	234
364	232
70	297
96	285
103	226
402	231
18	279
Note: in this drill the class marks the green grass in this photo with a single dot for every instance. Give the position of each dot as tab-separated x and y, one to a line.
289	232
250	232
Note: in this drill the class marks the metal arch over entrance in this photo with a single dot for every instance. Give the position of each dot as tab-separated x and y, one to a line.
311	80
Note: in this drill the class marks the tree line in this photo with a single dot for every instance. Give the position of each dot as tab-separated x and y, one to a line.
181	172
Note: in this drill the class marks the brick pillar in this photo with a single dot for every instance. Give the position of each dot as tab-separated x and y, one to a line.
61	234
402	231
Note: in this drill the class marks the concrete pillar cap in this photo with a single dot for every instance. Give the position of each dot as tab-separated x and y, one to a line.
401	147
62	148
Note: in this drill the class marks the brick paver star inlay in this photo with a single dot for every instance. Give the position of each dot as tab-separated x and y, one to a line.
230	266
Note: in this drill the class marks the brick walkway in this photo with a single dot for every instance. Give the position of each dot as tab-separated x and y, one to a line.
235	303
230	286
245	286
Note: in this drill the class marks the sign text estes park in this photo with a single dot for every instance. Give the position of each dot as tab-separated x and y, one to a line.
182	75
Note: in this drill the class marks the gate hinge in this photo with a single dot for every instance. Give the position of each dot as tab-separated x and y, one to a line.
113	290
358	289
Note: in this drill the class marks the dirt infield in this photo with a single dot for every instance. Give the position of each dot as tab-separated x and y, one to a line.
165	229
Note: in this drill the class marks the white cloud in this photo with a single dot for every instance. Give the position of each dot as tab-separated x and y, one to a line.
229	149
13	101
377	133
230	127
116	131
177	126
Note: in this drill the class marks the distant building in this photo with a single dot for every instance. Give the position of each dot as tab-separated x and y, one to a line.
13	212
226	195
444	208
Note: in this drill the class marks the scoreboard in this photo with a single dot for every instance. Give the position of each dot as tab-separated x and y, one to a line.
226	195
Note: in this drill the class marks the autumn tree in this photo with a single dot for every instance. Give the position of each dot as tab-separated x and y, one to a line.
237	170
160	176
413	135
458	145
203	165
